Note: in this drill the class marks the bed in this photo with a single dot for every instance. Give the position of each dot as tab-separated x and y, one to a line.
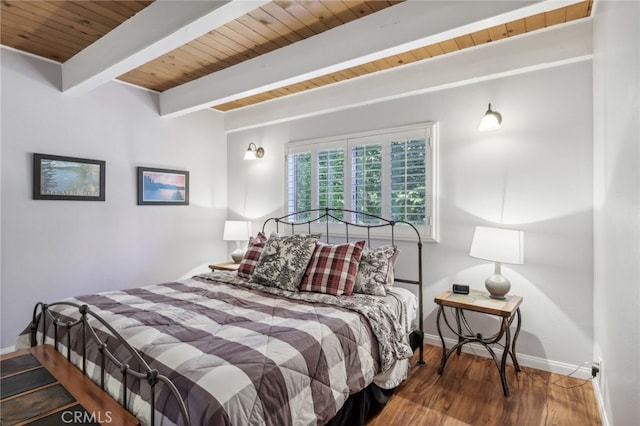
298	336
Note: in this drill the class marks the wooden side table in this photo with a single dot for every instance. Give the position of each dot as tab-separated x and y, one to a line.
224	266
479	301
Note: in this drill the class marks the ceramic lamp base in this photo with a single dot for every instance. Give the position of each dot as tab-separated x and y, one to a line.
497	286
237	255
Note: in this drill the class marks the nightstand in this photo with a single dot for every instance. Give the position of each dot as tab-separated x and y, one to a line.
224	266
479	301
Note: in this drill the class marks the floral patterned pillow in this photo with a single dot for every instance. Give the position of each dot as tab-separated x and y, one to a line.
284	260
375	271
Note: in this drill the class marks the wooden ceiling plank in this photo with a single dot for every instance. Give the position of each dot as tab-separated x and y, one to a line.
37	46
90	13
449	46
265	31
578	10
101	9
211	55
480	37
236	51
498	32
555	17
192	63
287	20
377	6
370	67
534	22
464	41
325	80
413	56
295	10
253	36
31	30
421	54
41	12
151	80
434	50
321	13
340	9
363	8
126	8
275	25
239	39
214	40
516	27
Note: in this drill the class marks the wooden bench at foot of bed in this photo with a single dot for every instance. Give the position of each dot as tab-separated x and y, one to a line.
40	387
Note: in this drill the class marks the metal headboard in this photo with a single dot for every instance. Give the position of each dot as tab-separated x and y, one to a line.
332	216
42	314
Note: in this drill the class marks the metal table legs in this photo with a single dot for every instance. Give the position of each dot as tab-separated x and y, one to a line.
467	335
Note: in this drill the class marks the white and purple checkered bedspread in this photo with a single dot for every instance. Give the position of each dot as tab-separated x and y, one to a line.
242	356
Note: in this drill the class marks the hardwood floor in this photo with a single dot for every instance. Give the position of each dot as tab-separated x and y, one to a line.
469	393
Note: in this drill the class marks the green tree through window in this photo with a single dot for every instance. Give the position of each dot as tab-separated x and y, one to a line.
388	174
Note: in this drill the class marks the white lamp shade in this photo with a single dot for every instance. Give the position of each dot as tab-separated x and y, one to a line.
236	230
498	245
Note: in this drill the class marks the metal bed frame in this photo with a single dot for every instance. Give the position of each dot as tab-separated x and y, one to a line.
332	216
43	314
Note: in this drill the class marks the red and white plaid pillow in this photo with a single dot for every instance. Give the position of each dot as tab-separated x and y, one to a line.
251	256
332	268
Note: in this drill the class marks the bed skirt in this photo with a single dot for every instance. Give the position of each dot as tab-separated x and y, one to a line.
363	405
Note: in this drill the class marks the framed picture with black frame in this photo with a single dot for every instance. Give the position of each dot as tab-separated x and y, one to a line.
56	177
164	187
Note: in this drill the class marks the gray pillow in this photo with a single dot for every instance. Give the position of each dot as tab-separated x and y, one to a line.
375	271
284	260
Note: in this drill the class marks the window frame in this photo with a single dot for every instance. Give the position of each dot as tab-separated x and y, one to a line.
428	231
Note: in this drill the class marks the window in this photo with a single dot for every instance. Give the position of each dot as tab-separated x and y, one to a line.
388	173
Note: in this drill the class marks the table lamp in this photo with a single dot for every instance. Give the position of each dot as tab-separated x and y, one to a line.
500	246
236	230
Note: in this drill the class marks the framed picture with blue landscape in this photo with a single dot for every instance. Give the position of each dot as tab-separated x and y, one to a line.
163	187
67	178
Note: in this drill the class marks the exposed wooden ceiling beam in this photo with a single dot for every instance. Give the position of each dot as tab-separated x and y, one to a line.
157	29
510	56
394	30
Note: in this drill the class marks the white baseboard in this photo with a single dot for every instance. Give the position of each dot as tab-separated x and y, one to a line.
7	350
583	372
600	402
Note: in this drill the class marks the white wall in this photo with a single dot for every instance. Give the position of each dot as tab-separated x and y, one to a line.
617	207
56	249
535	174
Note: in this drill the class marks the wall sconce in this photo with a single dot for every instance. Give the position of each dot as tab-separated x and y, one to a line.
491	120
253	152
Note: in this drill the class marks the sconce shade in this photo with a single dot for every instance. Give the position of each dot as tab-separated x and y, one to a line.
253	152
236	230
500	246
491	121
